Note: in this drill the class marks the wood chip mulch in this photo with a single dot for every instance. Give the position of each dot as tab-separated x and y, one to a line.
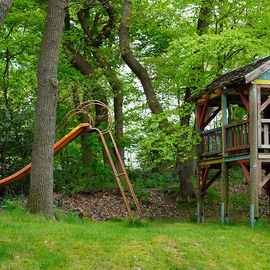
161	205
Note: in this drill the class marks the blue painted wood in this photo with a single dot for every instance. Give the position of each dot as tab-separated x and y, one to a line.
264	76
235	158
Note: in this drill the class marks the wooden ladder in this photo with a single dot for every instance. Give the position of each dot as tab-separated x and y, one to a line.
119	175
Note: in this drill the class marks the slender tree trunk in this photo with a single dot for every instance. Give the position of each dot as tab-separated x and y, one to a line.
87	157
117	88
5	5
134	64
41	180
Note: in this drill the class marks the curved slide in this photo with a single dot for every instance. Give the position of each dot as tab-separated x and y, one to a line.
58	146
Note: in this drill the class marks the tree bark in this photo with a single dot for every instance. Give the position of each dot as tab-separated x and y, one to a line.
5	5
41	179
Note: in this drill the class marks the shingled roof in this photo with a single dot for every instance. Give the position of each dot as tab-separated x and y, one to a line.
241	75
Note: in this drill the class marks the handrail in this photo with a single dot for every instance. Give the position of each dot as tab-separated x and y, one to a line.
237	137
81	109
237	123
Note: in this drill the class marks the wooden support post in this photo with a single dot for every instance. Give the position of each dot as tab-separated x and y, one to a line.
254	170
201	209
224	209
201	173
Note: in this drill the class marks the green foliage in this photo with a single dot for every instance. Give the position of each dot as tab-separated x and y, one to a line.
164	37
15	206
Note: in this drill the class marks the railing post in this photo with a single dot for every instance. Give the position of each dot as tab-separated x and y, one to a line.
224	121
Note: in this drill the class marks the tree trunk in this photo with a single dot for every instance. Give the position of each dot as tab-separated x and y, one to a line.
5	5
116	86
41	179
186	169
87	157
134	64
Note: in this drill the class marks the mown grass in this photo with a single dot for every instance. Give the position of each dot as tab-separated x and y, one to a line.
34	242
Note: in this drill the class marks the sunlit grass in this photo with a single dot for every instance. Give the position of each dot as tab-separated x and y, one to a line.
33	242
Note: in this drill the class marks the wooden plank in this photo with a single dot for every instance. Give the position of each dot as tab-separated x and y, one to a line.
263	82
211	162
264	146
264	155
265	121
257	72
236	158
237	123
242	147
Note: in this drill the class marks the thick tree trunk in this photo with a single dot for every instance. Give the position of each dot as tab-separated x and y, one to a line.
186	169
5	5
41	180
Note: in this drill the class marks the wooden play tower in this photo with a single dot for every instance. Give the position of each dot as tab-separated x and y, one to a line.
243	142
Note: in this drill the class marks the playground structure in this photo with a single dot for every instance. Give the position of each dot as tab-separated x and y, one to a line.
235	142
120	177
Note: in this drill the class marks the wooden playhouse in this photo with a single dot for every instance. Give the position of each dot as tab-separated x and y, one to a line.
229	139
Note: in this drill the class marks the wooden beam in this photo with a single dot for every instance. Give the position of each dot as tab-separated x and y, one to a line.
263	82
212	116
265	104
265	180
203	177
211	162
257	72
245	100
212	180
246	172
202	115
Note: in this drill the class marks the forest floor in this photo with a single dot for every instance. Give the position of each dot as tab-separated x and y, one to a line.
161	204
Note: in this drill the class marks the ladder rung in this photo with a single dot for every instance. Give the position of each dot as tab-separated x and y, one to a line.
120	174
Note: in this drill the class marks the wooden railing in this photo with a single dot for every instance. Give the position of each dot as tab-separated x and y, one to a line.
211	144
264	141
237	137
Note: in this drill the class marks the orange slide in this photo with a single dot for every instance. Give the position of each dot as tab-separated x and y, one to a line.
57	147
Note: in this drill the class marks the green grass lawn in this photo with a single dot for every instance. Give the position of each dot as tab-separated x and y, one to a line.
33	242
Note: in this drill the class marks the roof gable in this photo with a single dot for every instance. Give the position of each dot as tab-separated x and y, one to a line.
243	75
